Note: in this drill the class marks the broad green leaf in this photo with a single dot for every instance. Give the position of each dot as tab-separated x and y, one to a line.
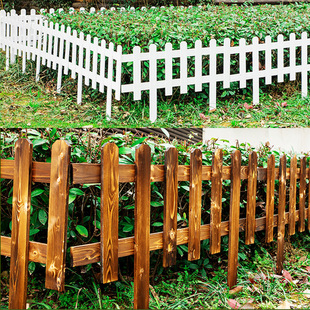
82	230
42	217
76	191
37	192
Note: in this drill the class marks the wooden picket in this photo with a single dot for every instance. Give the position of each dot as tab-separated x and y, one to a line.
31	37
58	217
281	214
20	224
110	173
109	212
234	215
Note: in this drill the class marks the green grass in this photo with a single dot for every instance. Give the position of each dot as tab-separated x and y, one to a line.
25	103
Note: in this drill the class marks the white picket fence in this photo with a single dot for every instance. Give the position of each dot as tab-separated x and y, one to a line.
96	62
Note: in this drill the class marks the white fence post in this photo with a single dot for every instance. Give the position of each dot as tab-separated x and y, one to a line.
255	66
304	64
153	83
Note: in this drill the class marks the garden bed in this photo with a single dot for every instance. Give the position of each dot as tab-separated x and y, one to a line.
175	24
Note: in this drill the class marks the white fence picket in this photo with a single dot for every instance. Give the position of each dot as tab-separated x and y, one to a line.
63	49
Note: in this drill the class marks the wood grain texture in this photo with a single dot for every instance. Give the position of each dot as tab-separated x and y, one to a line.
292	202
234	215
270	198
251	199
216	202
40	170
170	207
194	218
281	214
90	253
90	173
109	212
142	227
58	217
37	250
20	224
302	194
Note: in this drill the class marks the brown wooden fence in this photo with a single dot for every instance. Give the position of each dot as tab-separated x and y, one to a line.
110	174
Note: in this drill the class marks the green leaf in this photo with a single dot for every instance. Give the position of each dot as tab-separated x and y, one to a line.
97	224
31	267
76	191
42	217
37	142
82	230
33	231
157	224
127	227
37	192
157	203
71	198
125	150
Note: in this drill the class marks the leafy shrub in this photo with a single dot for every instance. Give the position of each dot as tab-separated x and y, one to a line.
159	26
84	200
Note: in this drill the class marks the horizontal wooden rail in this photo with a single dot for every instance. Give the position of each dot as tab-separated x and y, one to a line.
90	253
90	173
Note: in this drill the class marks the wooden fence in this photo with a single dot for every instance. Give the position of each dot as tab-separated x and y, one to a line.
100	64
110	174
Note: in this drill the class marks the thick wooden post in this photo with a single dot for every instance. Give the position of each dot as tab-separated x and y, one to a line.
170	208
195	189
292	203
251	199
270	198
109	212
58	216
142	227
302	194
20	224
234	215
216	202
281	214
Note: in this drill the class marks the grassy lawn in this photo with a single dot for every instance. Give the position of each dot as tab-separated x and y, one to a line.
25	103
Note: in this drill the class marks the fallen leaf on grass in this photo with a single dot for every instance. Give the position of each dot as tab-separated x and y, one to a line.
249	304
236	290
212	110
284	104
248	107
233	303
308	269
202	116
285	305
307	293
287	276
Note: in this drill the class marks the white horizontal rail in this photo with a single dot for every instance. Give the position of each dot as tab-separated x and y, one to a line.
95	63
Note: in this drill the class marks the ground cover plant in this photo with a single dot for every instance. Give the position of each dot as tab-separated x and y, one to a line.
195	284
26	103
